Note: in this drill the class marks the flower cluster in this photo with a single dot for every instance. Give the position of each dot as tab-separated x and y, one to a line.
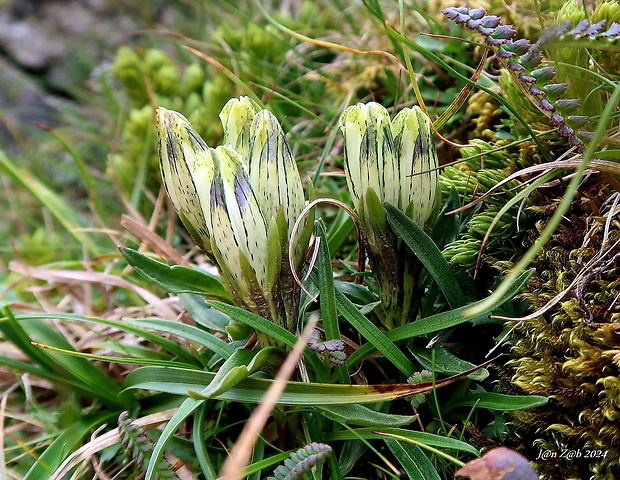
239	202
391	161
524	60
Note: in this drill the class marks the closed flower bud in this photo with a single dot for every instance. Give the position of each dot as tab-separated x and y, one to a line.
396	159
394	162
180	149
236	117
239	202
273	167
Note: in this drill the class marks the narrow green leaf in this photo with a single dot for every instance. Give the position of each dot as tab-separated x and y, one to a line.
184	411
177	278
188	332
446	227
13	332
329	314
445	362
66	442
424	438
441	321
258	455
498	401
166	344
200	443
455	317
425	249
351	452
178	381
413	460
374	336
56	204
112	359
203	314
364	416
87	178
338	237
358	294
74	370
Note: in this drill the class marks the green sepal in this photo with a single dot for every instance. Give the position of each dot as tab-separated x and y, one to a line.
239	366
374	211
275	242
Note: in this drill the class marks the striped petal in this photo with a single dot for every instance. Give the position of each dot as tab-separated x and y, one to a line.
273	171
369	152
236	118
180	148
417	159
237	225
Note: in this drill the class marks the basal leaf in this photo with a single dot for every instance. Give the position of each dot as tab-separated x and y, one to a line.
427	252
177	278
364	416
413	460
498	401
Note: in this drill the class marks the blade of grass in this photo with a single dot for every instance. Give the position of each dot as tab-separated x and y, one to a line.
57	205
329	313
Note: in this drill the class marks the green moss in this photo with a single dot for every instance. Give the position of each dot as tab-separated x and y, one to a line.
572	351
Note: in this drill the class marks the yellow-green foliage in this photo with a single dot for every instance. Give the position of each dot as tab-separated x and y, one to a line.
561	355
470	182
